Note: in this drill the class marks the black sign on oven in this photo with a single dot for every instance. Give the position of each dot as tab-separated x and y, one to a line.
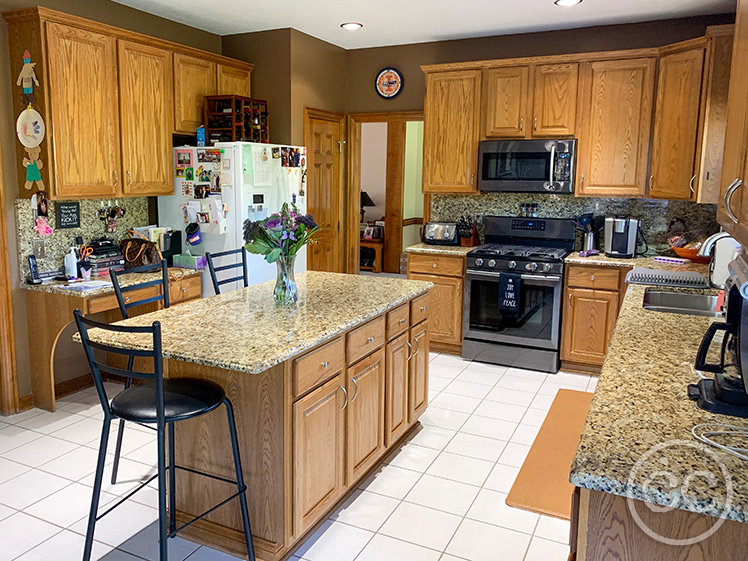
68	215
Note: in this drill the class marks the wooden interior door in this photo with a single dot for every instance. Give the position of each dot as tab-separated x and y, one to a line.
418	390
555	104
588	325
8	372
396	366
84	112
676	125
234	81
365	423
325	200
614	116
146	98
507	102
194	78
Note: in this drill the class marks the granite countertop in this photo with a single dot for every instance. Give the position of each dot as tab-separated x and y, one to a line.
439	249
245	330
59	287
641	401
646	262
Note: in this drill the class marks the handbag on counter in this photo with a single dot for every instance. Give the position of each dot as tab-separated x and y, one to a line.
139	251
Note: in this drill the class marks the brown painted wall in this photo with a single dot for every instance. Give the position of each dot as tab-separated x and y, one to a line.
103	11
270	52
364	64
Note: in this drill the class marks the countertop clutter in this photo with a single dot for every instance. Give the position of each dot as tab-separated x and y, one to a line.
245	330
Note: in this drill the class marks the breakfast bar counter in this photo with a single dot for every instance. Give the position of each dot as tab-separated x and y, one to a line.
322	390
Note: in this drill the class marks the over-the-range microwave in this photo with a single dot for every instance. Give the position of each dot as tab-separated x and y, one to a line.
526	166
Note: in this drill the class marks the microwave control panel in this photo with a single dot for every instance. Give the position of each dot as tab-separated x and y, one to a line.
563	167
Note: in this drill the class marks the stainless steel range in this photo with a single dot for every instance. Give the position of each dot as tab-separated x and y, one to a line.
515	321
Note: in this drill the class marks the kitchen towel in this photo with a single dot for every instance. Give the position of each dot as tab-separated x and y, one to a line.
510	285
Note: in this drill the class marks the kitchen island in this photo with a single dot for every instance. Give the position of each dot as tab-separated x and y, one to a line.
322	390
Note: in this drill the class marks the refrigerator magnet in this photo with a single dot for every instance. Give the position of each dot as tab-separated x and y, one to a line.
189	174
184	158
276	153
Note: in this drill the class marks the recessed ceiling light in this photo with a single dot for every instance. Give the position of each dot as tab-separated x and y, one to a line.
353	26
567	2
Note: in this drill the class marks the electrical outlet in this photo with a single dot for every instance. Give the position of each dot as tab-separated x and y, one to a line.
38	246
479	219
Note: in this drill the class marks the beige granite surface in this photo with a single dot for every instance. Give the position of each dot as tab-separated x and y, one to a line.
640	402
59	287
439	249
647	262
245	330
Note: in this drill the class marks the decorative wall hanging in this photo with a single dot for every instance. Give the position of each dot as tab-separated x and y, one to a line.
389	83
41	227
30	128
33	166
27	79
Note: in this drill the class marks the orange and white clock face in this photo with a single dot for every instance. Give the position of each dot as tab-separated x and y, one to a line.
389	83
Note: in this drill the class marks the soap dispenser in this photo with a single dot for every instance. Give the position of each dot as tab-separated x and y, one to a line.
71	264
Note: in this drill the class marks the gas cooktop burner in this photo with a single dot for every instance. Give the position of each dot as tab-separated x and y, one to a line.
515	251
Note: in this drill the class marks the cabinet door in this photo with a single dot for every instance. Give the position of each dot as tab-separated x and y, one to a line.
418	391
234	81
397	353
614	117
84	120
451	121
194	78
555	99
146	97
446	308
506	102
588	325
318	440
676	125
366	412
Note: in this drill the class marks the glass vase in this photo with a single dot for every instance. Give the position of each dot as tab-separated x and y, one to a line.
285	291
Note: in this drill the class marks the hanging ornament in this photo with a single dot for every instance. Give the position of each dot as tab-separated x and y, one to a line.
41	227
30	128
33	166
27	79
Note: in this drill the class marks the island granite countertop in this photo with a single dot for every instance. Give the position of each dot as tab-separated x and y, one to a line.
640	402
426	249
245	330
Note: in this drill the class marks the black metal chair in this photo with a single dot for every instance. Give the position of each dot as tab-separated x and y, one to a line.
161	403
125	304
214	270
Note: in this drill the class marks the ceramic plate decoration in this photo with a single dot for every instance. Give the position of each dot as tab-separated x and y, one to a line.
30	128
389	83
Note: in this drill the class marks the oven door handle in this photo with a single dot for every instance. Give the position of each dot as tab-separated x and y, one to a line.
550	278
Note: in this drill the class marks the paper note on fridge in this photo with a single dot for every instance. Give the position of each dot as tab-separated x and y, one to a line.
262	165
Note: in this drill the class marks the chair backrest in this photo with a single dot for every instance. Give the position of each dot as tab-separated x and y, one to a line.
125	302
139	335
215	270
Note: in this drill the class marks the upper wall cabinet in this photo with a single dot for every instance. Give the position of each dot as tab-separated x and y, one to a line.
234	80
194	78
506	101
451	131
613	123
555	99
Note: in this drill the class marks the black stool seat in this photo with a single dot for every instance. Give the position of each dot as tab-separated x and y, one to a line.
183	398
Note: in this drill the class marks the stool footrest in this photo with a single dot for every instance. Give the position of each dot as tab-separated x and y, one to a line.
207	512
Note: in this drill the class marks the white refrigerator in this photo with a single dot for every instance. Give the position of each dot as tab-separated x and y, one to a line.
221	186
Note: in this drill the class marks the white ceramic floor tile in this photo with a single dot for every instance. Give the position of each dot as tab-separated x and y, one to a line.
121	524
553	529
468	389
433	394
475	376
454	402
514	454
438	384
132	440
527	374
454	361
12	437
6	511
208	554
413	457
129	476
525	434
546	550
65	546
432	437
144	544
48	422
84	409
520	384
443	418
30	487
534	417
422	526
391	481
19	417
487	367
21	532
443	494
490	506
9	470
513	397
592	385
83	432
41	451
147	454
67	506
501	411
460	468
433	355
441	371
571	379
474	446
490	428
477	541
384	548
335	542
501	478
74	465
543	402
365	510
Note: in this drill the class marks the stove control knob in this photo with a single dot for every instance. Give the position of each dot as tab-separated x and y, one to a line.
531	266
479	262
547	267
512	264
492	263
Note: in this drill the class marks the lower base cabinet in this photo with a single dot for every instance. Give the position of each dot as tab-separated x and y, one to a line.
419	365
397	358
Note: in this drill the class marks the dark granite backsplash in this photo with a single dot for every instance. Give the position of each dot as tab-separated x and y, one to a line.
655	215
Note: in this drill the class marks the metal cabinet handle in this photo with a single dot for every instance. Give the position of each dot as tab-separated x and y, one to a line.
728	199
690	185
536	123
116	178
418	346
371	339
326	364
129	178
569	299
521	123
433	265
127	298
410	351
184	289
401	321
651	180
423	308
345	393
355	385
582	185
592	277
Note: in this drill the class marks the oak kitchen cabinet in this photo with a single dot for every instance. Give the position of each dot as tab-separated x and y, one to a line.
111	100
233	80
451	131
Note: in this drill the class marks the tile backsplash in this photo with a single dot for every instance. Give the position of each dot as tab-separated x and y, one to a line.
59	242
655	215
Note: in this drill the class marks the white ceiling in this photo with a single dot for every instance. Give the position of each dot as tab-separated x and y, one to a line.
395	22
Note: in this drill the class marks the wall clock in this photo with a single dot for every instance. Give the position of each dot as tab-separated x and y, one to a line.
389	83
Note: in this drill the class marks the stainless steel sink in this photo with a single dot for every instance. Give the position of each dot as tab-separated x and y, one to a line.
681	303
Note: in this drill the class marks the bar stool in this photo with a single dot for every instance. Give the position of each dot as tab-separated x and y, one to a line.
214	270
161	403
125	303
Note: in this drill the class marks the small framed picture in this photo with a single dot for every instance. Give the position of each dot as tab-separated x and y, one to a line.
368	233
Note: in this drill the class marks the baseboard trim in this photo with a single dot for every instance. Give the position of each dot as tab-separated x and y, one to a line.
579	367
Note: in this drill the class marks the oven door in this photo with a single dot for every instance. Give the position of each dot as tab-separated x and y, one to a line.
538	323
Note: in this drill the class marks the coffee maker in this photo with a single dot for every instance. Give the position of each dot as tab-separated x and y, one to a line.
621	235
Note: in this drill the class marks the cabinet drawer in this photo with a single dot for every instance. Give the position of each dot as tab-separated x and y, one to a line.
316	367
397	321
185	289
419	308
109	301
605	278
436	265
363	340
